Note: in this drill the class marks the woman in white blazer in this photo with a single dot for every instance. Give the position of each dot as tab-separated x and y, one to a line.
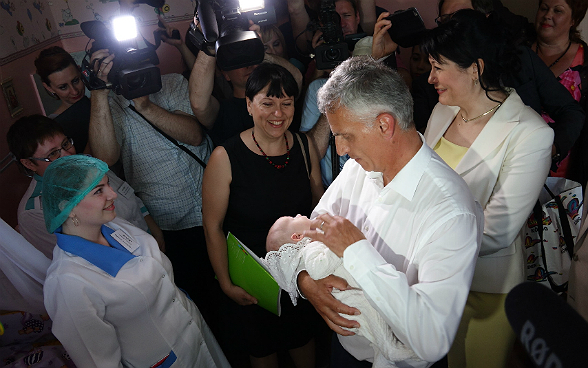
502	149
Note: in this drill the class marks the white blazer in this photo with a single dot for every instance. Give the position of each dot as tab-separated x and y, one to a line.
505	169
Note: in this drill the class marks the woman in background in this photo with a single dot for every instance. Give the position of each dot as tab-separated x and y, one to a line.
560	46
62	80
274	43
502	149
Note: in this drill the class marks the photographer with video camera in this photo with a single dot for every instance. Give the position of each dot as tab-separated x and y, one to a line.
237	52
304	20
379	47
149	125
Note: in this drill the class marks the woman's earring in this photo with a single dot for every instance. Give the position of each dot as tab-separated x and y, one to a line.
476	82
250	113
52	94
75	220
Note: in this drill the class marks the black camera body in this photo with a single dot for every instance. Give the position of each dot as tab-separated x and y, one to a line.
162	32
407	27
334	50
134	72
225	28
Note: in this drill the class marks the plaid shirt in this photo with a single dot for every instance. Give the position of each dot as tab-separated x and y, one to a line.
167	179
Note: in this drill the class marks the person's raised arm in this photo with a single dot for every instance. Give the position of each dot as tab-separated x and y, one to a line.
179	125
204	105
215	200
367	15
382	44
101	134
299	20
180	44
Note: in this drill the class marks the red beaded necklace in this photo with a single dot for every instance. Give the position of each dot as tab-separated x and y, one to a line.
267	158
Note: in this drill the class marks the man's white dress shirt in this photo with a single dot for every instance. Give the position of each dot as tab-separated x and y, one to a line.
423	232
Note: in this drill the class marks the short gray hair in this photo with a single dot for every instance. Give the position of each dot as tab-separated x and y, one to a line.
367	88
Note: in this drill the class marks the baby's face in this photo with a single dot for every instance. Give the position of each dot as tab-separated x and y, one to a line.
287	230
296	225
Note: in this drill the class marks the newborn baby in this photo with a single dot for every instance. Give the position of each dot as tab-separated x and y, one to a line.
289	253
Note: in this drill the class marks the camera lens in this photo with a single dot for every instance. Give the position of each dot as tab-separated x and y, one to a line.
137	80
333	54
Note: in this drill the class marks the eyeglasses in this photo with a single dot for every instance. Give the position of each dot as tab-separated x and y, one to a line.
54	155
443	18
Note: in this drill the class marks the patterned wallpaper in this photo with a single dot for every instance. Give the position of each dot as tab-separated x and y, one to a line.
26	23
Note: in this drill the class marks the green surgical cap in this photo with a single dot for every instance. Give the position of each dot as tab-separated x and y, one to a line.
65	183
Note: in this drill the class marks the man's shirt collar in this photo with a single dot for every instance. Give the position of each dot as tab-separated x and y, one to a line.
407	180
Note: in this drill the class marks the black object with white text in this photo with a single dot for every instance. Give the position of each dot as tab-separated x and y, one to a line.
552	332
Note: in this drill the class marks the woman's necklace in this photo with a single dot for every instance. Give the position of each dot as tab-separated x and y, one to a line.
479	116
560	56
267	158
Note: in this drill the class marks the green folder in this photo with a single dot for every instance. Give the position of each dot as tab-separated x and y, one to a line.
248	272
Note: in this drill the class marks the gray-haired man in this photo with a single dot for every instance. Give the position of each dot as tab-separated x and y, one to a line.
404	222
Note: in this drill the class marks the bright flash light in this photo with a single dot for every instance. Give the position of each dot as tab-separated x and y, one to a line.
124	28
248	5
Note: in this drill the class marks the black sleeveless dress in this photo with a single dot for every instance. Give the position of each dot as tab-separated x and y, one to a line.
260	194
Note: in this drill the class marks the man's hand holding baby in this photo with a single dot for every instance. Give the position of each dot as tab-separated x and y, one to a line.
319	295
335	232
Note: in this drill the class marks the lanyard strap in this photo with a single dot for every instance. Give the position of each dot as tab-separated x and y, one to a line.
180	146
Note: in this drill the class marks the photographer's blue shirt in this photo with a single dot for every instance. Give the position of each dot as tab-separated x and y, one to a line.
310	116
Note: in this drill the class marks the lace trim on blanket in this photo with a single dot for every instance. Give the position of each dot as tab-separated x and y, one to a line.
283	264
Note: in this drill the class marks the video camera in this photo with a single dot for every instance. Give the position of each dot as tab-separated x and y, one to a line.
133	72
407	30
334	50
225	29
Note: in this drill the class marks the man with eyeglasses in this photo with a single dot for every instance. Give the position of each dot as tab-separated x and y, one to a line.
36	141
534	82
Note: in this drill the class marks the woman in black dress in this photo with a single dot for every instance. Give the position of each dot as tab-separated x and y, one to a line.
255	178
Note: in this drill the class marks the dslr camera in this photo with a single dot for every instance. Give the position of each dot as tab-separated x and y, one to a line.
225	29
134	72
